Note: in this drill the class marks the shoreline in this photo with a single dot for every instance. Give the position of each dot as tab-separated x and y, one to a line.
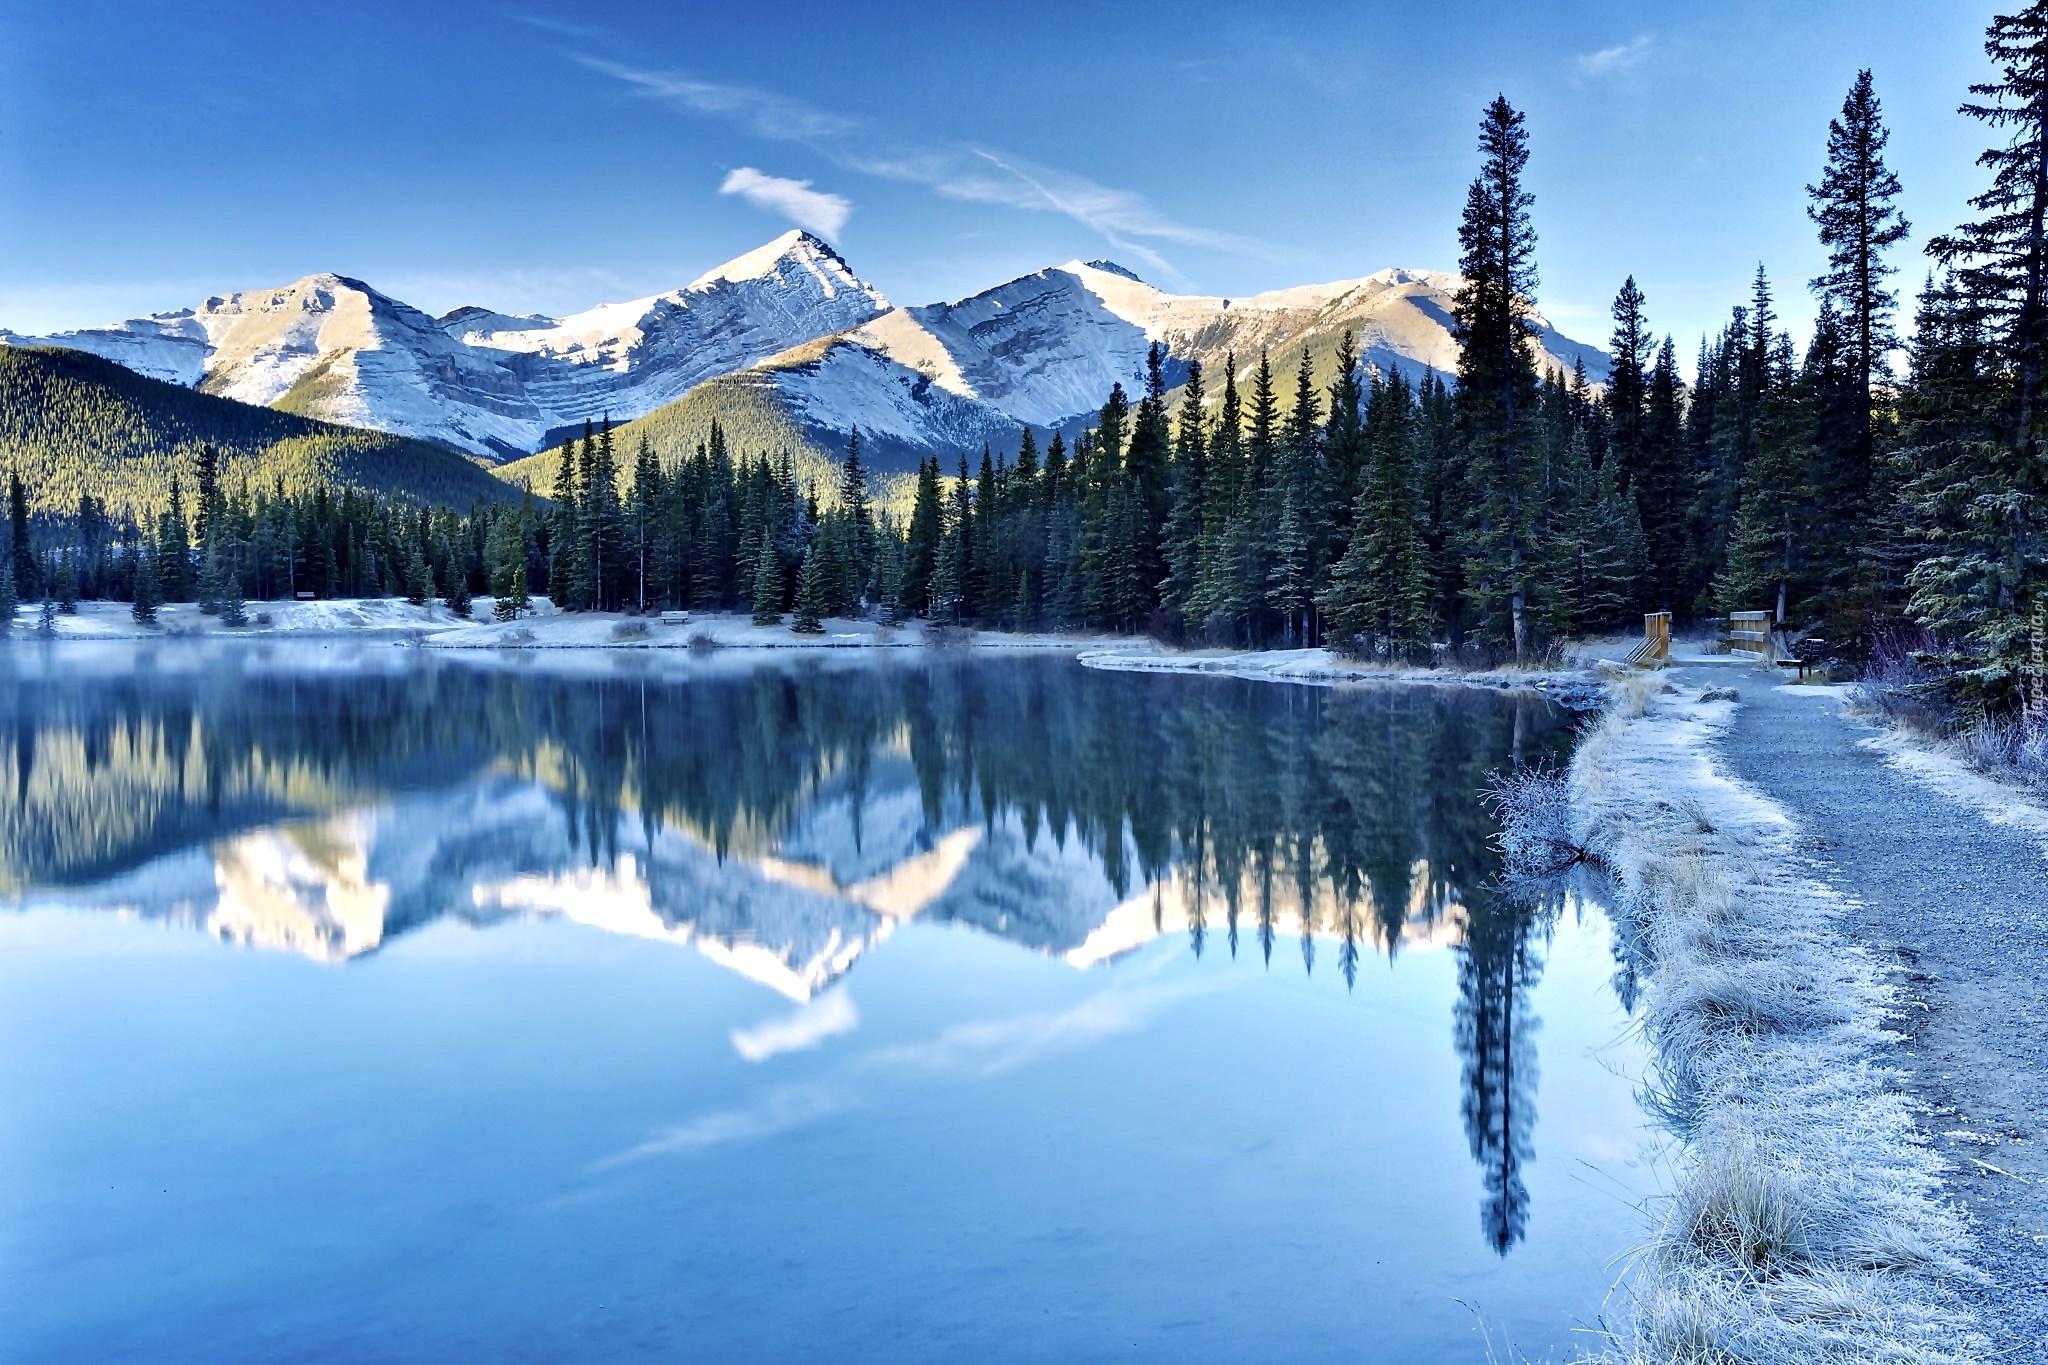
396	622
1809	1219
1578	688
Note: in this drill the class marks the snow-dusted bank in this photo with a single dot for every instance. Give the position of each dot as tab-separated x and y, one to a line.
433	627
1574	685
1806	1220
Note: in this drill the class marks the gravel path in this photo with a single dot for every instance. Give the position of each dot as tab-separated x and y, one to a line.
1961	906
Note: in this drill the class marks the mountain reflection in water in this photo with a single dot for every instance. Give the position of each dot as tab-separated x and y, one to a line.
785	818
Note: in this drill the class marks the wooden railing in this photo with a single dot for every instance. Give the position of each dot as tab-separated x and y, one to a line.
1655	649
1749	633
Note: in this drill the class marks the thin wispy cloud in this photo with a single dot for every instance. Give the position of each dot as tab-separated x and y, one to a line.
826	1017
777	1112
989	1047
795	200
550	24
965	172
1611	59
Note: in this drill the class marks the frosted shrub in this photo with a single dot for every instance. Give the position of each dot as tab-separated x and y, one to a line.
1537	840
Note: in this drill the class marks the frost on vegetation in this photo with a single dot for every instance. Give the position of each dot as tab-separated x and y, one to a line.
1537	842
1916	684
1806	1221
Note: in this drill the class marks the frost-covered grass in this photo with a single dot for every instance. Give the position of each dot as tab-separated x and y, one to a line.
1909	684
1806	1222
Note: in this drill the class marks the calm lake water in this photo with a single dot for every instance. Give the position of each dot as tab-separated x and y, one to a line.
360	1006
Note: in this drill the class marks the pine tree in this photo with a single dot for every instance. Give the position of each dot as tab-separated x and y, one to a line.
206	468
1345	459
148	591
1660	483
67	583
860	524
1185	534
642	514
1994	556
10	601
1497	379
514	601
1215	597
213	567
945	591
921	547
1628	380
768	585
1377	601
174	546
562	521
233	610
419	579
811	601
1290	583
457	595
1853	208
23	553
887	586
1764	552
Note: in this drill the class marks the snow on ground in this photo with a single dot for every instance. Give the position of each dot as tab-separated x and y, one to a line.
1807	1219
546	628
1326	667
1940	769
337	616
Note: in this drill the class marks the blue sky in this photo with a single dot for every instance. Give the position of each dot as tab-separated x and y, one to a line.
546	157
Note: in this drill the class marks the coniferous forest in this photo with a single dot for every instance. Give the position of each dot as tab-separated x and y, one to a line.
1851	483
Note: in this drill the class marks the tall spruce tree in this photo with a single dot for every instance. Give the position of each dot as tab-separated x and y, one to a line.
1628	394
1214	597
1999	265
812	595
174	547
1346	461
146	595
1855	210
1185	535
1497	379
1377	601
768	586
860	523
925	533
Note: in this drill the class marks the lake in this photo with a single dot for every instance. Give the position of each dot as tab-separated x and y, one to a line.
358	1004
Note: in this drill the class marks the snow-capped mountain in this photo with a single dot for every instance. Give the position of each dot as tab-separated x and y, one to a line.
793	318
1044	349
486	382
627	359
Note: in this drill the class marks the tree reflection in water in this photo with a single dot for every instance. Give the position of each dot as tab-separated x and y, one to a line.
1344	815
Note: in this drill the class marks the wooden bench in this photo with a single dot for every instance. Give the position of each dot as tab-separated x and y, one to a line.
1807	656
675	618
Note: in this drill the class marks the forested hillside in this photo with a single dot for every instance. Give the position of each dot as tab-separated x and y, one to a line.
72	424
748	415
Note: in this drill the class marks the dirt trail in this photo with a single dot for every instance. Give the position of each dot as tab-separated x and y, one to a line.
1960	905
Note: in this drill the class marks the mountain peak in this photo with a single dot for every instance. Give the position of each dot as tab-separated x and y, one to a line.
1112	268
795	247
